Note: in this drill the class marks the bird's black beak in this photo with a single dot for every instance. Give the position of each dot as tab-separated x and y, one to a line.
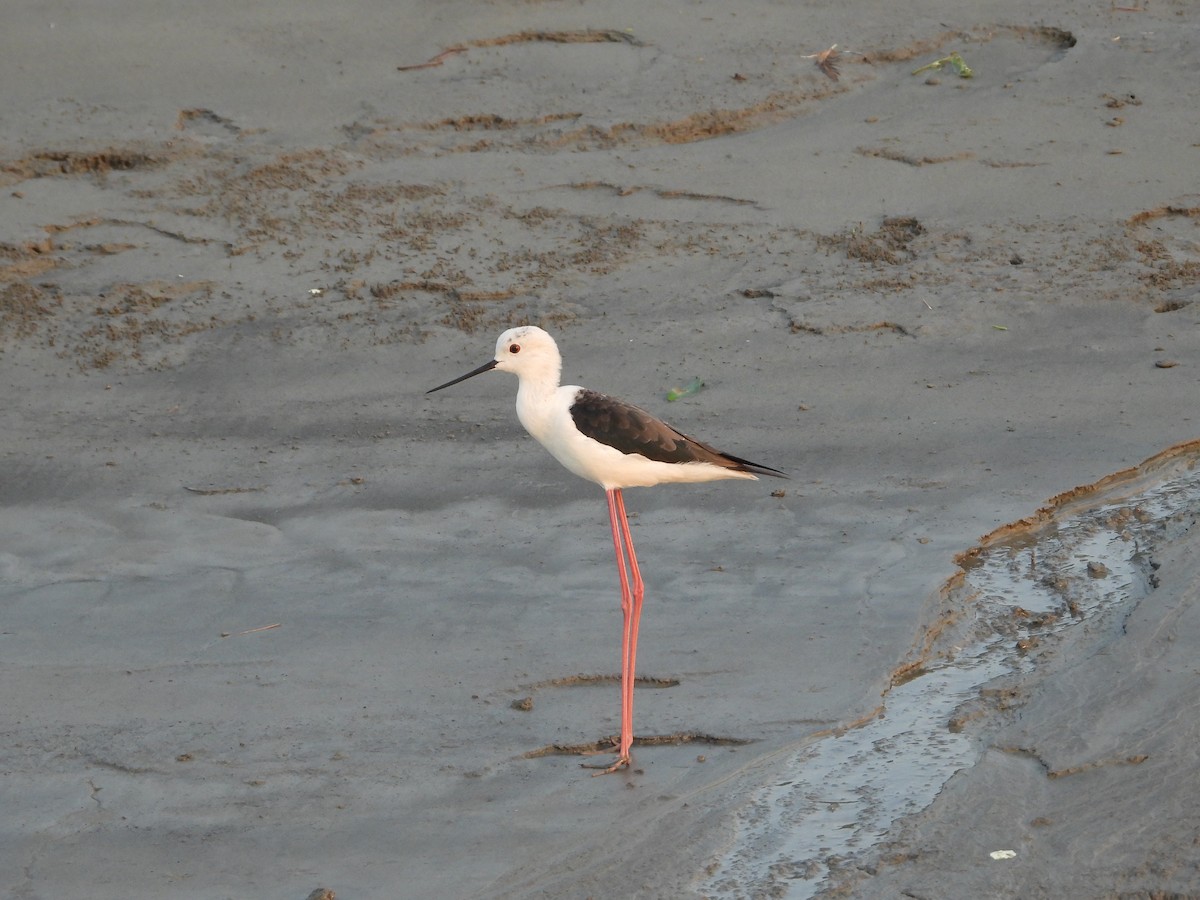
486	367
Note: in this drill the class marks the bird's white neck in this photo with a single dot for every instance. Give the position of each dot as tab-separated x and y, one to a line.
534	397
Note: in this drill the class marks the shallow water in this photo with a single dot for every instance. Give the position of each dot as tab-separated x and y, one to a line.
841	794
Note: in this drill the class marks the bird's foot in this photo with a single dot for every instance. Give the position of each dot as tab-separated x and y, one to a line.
621	763
613	744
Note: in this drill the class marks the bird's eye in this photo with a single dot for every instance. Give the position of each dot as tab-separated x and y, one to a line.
514	348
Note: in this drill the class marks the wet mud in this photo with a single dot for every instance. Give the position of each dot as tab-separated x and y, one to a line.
272	619
1030	591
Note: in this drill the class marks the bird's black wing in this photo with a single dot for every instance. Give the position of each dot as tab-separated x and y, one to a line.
630	429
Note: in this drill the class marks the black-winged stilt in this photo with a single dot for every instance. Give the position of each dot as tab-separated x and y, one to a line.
615	444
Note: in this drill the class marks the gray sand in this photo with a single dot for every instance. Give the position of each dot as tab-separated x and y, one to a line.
238	244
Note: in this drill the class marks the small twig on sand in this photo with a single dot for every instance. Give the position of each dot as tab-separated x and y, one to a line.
208	492
436	61
252	630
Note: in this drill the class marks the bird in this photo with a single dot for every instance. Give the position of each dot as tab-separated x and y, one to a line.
616	445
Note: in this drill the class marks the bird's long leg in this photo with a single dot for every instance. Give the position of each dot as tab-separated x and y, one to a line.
635	618
631	610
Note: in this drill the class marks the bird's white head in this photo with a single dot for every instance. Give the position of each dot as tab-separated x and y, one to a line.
528	352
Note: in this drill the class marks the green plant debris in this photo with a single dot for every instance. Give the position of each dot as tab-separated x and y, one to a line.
959	64
686	391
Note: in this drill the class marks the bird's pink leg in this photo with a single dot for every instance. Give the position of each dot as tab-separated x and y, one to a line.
631	610
635	618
